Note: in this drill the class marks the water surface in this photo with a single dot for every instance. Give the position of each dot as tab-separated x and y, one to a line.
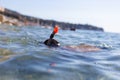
24	57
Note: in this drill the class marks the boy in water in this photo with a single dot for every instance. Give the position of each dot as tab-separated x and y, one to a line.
81	48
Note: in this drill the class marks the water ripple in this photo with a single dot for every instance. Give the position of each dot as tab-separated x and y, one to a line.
23	56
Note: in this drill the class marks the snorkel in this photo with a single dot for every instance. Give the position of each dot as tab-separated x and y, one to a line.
54	32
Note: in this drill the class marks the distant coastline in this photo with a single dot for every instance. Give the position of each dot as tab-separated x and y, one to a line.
11	17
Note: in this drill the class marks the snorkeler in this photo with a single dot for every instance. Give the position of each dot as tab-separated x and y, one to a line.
52	42
81	47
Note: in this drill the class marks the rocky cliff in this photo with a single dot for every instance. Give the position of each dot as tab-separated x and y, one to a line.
16	18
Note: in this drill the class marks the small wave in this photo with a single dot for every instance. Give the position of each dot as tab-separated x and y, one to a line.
104	46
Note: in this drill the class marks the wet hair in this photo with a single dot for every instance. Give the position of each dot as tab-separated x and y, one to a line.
51	43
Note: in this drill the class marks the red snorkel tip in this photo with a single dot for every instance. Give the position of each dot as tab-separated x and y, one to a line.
56	28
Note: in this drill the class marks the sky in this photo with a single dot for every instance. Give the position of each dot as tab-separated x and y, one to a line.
101	13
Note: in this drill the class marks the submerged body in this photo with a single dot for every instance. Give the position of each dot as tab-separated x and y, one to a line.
82	48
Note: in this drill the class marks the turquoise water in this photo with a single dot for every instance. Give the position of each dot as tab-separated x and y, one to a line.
24	57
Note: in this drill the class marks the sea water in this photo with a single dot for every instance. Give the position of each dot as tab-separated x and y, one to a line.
23	56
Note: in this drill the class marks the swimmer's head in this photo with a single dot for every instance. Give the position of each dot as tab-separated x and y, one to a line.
52	42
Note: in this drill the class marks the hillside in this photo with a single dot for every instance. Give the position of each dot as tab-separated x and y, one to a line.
11	17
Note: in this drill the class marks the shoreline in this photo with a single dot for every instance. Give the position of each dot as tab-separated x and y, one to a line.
14	18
